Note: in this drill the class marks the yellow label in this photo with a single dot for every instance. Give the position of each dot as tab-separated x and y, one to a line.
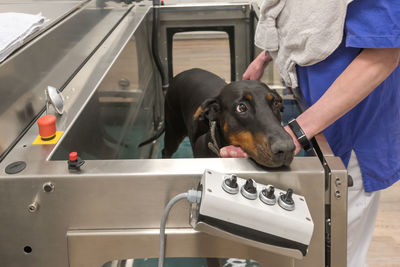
39	141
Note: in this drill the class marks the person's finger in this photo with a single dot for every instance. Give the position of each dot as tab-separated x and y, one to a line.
295	141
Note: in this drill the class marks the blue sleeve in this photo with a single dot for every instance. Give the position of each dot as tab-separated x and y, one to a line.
373	24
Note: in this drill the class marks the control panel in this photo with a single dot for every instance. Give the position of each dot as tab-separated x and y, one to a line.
264	216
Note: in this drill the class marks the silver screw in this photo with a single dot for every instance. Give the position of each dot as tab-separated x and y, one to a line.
124	83
338	194
33	207
338	182
48	187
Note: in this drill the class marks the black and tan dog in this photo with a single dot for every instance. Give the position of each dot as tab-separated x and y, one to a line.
214	114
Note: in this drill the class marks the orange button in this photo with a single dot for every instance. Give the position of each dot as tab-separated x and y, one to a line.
47	127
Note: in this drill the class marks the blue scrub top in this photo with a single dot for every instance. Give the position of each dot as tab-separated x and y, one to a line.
372	128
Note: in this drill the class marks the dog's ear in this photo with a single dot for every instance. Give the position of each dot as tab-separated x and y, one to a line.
278	99
208	110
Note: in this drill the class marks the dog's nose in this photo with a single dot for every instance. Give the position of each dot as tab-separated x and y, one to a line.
282	146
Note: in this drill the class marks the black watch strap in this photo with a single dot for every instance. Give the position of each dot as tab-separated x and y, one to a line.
299	133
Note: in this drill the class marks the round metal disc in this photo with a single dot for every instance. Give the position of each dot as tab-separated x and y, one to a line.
55	98
285	205
228	189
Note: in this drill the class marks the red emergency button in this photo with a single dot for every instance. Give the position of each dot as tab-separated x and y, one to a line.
47	127
74	162
73	156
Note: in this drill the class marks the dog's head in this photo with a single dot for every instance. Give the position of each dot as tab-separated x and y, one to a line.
249	116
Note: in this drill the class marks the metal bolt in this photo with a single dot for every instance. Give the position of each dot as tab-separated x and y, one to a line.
338	182
48	187
338	194
33	207
124	83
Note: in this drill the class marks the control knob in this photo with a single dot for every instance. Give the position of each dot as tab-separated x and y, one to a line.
230	184
249	189
286	201
267	195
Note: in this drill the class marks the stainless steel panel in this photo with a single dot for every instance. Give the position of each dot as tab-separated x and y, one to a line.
50	59
338	211
84	84
121	112
129	195
129	244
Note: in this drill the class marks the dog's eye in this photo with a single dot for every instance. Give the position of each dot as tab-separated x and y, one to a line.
276	103
241	108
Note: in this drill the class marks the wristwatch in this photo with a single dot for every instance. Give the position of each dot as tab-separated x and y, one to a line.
299	133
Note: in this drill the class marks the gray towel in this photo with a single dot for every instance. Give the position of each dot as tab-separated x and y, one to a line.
300	32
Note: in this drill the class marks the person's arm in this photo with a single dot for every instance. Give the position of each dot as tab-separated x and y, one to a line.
256	68
370	68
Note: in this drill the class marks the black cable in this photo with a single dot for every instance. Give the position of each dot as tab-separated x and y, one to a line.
154	44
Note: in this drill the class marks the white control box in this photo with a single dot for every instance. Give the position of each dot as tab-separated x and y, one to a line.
271	219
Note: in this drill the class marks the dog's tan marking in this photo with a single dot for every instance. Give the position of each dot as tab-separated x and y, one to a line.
255	145
246	141
280	104
269	97
263	146
260	138
226	129
198	112
248	96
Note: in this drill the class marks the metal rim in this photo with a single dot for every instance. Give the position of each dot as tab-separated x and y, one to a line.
247	194
285	205
268	201
229	189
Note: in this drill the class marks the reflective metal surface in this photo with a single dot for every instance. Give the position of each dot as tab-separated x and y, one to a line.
121	111
54	98
52	58
131	195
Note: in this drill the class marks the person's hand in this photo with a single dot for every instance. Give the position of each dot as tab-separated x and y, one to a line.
256	68
232	152
295	141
